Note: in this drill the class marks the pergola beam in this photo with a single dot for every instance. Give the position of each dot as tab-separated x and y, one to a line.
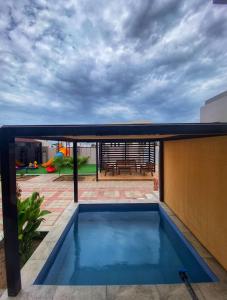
118	129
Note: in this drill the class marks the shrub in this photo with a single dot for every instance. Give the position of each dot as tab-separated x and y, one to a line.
61	162
68	162
22	172
82	160
58	163
30	216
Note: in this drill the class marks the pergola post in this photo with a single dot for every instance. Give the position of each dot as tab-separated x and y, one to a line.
161	171
9	209
75	172
97	162
149	153
100	157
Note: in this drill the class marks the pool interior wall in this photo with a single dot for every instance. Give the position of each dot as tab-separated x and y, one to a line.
122	244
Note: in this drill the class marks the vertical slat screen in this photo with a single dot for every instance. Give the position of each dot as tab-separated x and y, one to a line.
141	152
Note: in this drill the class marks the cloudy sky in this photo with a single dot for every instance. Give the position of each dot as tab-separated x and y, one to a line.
83	61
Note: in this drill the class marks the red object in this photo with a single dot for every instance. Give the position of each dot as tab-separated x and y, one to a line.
156	184
50	169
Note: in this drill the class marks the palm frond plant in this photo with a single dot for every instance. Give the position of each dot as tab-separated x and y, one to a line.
58	163
68	162
30	216
82	160
61	162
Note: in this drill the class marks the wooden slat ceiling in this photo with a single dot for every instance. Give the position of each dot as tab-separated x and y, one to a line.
119	137
143	137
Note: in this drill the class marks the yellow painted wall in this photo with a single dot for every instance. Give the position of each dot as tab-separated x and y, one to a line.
195	187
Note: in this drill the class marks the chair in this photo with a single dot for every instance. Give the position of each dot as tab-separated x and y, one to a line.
109	168
148	167
126	165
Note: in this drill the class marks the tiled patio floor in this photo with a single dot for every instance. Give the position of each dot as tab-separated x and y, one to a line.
59	194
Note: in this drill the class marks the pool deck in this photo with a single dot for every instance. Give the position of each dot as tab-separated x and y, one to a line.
208	291
59	194
128	177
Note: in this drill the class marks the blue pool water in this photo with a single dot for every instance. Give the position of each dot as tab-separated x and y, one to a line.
122	244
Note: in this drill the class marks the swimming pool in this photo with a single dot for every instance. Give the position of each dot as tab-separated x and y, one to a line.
122	244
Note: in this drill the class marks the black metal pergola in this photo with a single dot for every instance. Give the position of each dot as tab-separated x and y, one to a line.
79	133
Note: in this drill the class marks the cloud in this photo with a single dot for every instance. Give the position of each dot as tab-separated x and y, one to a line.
150	18
112	111
76	62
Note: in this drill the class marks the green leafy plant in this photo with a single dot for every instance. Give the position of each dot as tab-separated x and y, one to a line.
68	162
61	162
30	216
22	172
82	160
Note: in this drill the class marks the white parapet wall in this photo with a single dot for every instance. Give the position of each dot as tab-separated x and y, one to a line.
214	109
88	151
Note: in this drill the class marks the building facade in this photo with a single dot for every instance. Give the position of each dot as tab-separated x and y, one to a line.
214	109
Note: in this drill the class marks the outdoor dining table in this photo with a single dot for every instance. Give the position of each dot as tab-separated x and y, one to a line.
124	167
127	165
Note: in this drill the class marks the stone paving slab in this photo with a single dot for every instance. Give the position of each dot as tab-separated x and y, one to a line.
59	194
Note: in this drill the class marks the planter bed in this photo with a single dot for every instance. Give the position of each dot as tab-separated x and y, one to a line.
70	178
36	243
25	177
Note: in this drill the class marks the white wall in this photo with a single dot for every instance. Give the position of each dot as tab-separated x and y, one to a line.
45	153
88	151
215	109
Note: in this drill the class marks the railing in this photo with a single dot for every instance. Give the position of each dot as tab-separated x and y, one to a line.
184	277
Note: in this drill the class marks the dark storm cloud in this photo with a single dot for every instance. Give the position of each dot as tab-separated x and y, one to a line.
149	17
76	62
216	28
